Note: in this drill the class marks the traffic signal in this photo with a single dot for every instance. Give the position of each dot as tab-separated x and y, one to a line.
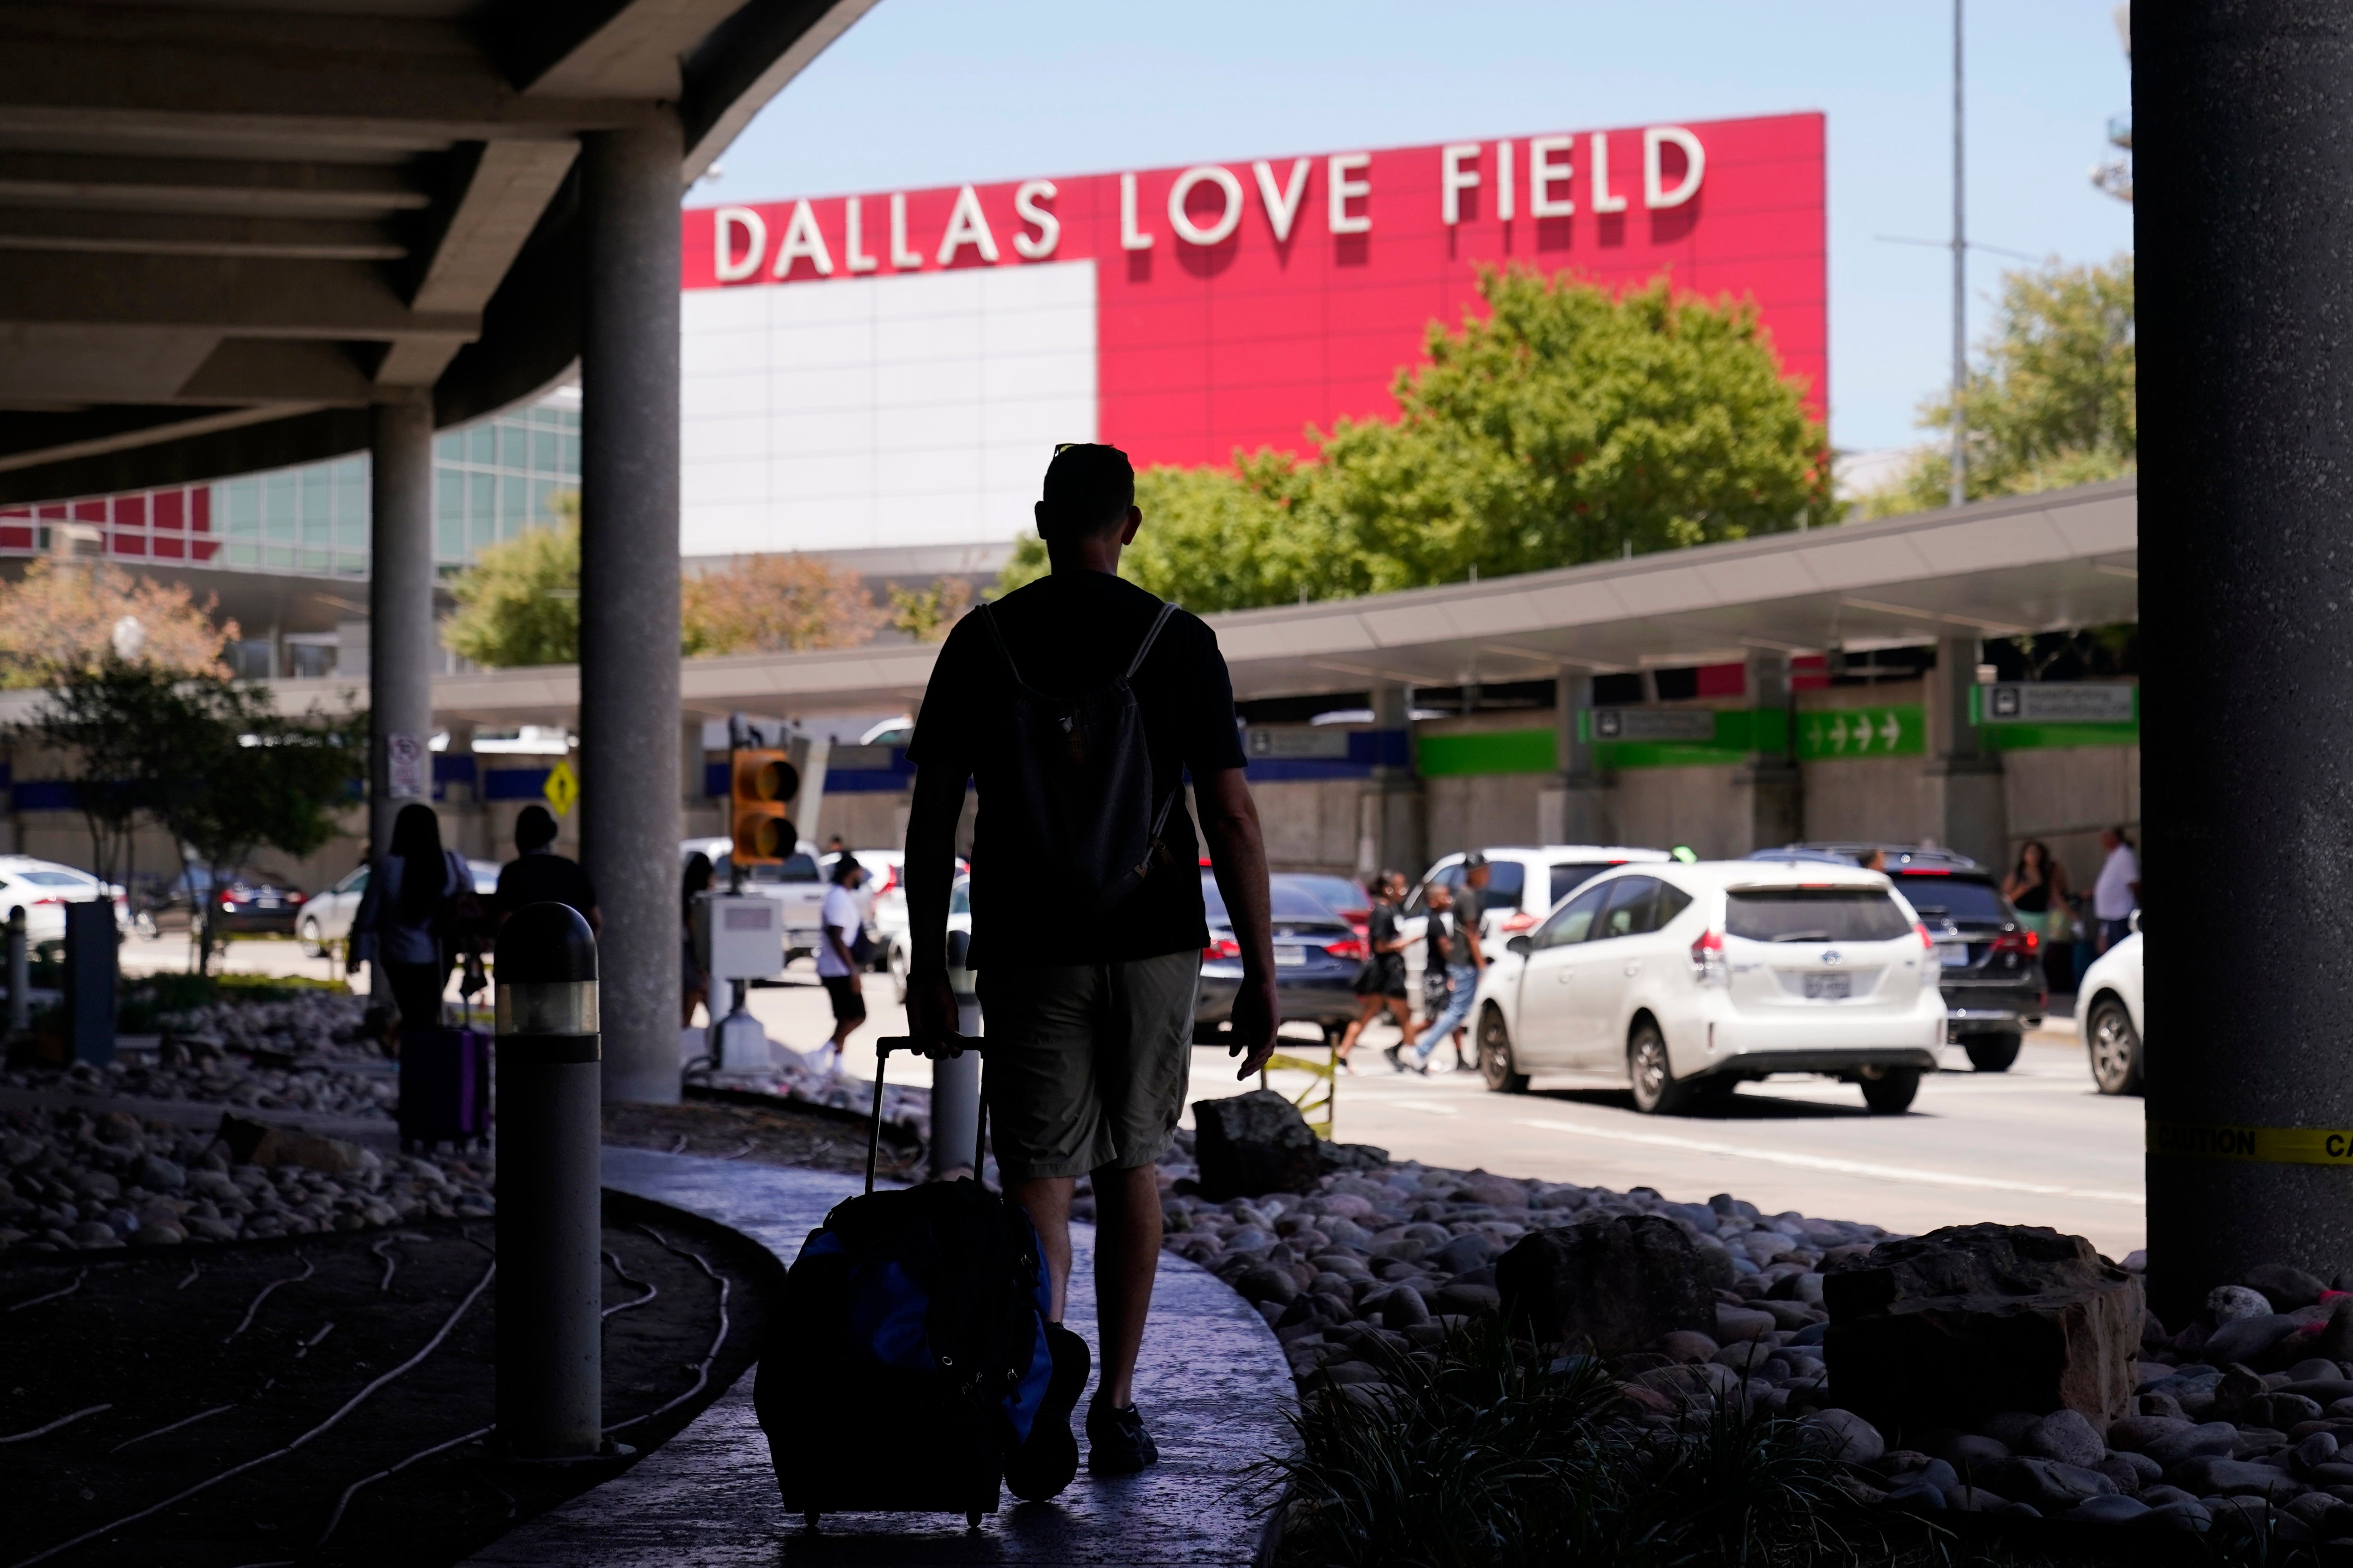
761	786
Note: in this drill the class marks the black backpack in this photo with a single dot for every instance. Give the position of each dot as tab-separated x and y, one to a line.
1080	812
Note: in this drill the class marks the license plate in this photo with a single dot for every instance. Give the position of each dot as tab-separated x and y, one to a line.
1829	987
1290	955
1954	956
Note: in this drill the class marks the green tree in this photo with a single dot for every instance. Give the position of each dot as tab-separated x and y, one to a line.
1565	425
2050	401
518	603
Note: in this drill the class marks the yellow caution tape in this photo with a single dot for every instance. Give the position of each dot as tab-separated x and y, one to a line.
2268	1145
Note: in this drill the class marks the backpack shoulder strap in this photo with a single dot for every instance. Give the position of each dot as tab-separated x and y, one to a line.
1167	608
996	637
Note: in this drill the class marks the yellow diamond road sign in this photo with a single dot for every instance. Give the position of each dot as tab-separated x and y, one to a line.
562	787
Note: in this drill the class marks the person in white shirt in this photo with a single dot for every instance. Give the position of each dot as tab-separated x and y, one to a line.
836	955
2117	894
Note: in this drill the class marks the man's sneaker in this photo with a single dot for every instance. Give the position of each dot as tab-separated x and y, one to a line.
1117	1444
1044	1465
1391	1052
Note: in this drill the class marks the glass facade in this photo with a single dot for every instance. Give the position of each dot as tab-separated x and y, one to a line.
491	480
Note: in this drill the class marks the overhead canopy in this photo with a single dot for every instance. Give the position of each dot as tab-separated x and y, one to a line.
2045	563
224	229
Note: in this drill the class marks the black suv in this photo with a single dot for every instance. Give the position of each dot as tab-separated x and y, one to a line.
1993	977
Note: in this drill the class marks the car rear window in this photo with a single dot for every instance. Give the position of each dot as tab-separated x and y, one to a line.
795	868
53	880
1291	903
1566	877
1813	914
1956	898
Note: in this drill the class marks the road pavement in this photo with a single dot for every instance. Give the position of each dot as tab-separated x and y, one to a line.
2035	1145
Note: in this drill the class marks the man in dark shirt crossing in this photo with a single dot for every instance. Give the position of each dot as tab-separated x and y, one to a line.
1089	1012
539	875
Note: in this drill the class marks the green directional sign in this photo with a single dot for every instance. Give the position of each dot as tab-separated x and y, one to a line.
1836	734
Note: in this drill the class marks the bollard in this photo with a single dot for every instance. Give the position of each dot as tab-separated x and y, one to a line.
92	939
550	1361
20	975
955	1080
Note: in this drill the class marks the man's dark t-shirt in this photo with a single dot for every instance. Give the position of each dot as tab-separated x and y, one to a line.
541	877
1069	634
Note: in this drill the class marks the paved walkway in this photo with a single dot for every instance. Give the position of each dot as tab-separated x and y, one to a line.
1213	1384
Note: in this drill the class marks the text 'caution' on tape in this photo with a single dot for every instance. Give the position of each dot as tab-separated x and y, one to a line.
2268	1145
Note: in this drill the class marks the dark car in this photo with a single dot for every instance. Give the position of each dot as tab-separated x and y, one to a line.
1992	978
244	903
1316	956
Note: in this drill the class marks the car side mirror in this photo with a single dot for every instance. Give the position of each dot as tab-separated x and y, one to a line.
1520	945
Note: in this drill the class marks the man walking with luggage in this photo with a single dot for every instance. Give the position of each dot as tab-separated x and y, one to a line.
1076	705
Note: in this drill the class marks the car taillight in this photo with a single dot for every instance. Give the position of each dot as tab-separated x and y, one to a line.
293	898
228	906
1223	947
1349	947
1707	950
1520	922
2023	943
1927	942
48	901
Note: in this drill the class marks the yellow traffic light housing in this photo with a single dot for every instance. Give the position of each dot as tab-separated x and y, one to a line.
761	786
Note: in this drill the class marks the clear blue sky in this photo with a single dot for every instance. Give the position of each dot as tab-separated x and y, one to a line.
926	92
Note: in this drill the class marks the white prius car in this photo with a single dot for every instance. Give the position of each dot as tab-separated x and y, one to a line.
1682	980
2107	1017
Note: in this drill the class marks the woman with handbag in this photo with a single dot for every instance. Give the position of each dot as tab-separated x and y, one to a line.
1380	984
2037	889
406	922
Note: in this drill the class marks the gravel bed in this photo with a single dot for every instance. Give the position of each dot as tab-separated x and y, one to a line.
1382	1264
72	1181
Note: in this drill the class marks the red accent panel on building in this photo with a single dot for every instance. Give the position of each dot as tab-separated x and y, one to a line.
1247	342
1723	679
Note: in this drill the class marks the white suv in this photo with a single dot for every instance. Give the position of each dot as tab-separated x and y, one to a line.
1681	981
1523	885
2107	1017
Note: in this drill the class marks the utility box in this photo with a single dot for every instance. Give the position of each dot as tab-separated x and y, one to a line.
739	936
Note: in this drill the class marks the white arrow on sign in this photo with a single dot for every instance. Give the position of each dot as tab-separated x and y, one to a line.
1889	729
1838	734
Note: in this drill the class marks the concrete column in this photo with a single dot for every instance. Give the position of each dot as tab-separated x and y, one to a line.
401	641
1390	811
463	800
1961	785
1579	811
1769	779
629	597
2244	192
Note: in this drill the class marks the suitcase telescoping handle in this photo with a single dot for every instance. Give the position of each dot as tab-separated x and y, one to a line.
949	1046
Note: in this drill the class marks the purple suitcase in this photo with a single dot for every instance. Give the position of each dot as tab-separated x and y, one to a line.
445	1087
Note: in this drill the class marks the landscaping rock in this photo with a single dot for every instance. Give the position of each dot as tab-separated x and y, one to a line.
2226	1303
1614	1284
1943	1329
1847	1436
2244	1339
2284	1288
2212	1438
1254	1143
2066	1435
2049	1485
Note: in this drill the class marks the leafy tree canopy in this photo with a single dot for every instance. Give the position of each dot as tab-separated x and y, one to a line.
518	603
1567	425
63	617
2050	401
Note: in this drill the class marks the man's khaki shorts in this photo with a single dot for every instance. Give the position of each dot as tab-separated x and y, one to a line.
1086	1065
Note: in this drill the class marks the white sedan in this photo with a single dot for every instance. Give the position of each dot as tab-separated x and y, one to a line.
1682	980
42	888
2107	1017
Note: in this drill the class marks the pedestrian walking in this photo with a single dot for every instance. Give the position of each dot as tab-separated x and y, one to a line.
539	875
2117	892
841	956
1076	705
404	920
694	980
1452	951
1380	984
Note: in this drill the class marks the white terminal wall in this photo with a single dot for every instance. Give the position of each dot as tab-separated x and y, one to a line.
857	414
